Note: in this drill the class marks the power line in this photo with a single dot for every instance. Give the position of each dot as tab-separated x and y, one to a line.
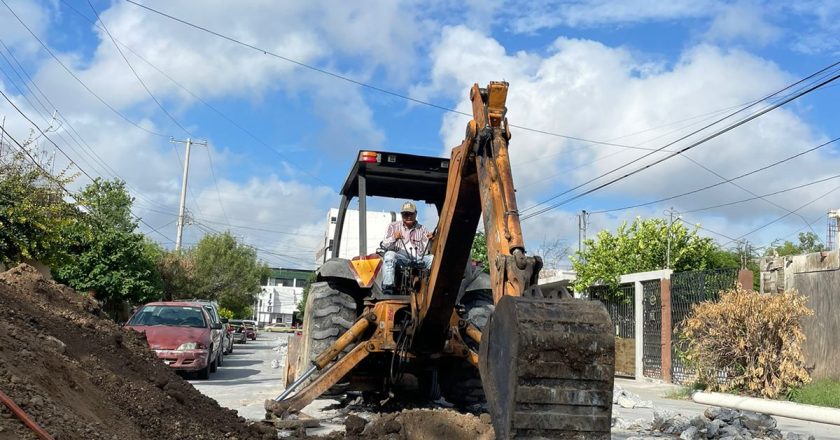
795	210
70	72
64	188
743	121
694	191
199	98
74	135
693	145
363	84
721	205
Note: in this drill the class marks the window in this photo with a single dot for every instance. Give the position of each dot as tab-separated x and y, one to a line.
285	282
333	220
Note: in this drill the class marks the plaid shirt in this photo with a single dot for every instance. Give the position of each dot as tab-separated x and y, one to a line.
413	238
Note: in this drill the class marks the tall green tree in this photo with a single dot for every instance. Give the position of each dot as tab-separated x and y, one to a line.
227	271
643	246
808	242
109	257
33	212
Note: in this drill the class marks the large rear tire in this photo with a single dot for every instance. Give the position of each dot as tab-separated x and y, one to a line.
329	314
460	381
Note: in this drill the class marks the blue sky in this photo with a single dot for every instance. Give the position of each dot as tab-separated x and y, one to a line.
636	73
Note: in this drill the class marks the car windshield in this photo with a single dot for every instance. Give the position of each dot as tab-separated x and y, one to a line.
176	316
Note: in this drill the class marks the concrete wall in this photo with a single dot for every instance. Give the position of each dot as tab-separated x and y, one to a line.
817	276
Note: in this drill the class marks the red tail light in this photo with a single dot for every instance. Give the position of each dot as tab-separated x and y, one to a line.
369	156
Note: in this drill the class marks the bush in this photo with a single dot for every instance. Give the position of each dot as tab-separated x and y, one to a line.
748	343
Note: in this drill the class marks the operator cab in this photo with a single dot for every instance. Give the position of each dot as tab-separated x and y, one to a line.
396	176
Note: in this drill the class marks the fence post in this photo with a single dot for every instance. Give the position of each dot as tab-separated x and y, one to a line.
639	330
665	291
745	279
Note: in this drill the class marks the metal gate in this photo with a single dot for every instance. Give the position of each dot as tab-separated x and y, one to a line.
652	349
619	304
687	289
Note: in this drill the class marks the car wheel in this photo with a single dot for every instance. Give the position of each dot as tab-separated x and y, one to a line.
221	358
204	373
214	365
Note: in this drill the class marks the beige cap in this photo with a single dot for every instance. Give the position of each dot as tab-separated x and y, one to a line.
408	207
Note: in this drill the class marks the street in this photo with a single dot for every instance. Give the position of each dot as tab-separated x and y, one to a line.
251	374
247	378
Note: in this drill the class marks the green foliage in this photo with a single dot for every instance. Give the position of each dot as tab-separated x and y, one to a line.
225	313
301	306
478	252
109	258
176	273
753	340
808	242
33	213
642	247
227	272
822	392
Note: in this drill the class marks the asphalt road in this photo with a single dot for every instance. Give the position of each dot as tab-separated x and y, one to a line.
247	377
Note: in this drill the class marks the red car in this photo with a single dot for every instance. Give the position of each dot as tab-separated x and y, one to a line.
181	334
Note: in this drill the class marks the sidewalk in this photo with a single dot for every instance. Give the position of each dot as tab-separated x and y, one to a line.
656	392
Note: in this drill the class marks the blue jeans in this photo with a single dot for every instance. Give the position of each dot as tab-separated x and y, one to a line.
392	259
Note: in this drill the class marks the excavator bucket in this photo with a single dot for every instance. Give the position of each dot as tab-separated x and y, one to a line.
547	368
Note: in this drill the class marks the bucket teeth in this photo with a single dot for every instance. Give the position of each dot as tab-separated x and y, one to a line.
547	368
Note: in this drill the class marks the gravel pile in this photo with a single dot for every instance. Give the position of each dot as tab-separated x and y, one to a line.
714	423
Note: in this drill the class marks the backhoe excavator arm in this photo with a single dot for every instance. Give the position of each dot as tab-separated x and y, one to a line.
546	364
480	182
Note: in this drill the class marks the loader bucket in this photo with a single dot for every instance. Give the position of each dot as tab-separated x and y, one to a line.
547	368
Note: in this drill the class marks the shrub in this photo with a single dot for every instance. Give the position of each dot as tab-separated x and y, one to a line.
748	342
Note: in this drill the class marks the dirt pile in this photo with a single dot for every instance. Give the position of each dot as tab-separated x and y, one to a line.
418	424
81	376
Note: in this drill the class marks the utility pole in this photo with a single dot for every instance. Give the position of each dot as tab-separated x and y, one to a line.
583	218
183	204
670	213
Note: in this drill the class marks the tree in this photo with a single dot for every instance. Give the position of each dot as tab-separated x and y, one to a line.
109	257
301	306
33	212
642	247
478	251
808	242
176	273
228	272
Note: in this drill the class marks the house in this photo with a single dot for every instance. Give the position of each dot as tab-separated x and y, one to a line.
278	299
377	224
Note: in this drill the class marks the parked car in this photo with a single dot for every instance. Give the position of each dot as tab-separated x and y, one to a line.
278	327
236	331
182	334
247	326
228	329
212	309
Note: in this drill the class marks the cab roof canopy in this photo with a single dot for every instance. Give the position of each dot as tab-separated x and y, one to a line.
398	175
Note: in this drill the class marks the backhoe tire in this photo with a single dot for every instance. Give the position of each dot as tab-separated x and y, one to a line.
460	382
329	313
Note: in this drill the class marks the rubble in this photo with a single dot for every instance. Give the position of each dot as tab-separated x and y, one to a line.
626	399
713	423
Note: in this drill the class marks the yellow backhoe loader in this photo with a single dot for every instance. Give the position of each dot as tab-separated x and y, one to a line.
543	365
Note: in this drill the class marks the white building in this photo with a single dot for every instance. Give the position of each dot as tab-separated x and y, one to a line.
278	299
377	224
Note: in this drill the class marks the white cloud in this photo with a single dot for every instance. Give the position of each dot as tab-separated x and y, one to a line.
585	89
584	13
743	22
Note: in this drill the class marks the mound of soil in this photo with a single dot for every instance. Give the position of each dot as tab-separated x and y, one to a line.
419	424
81	376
